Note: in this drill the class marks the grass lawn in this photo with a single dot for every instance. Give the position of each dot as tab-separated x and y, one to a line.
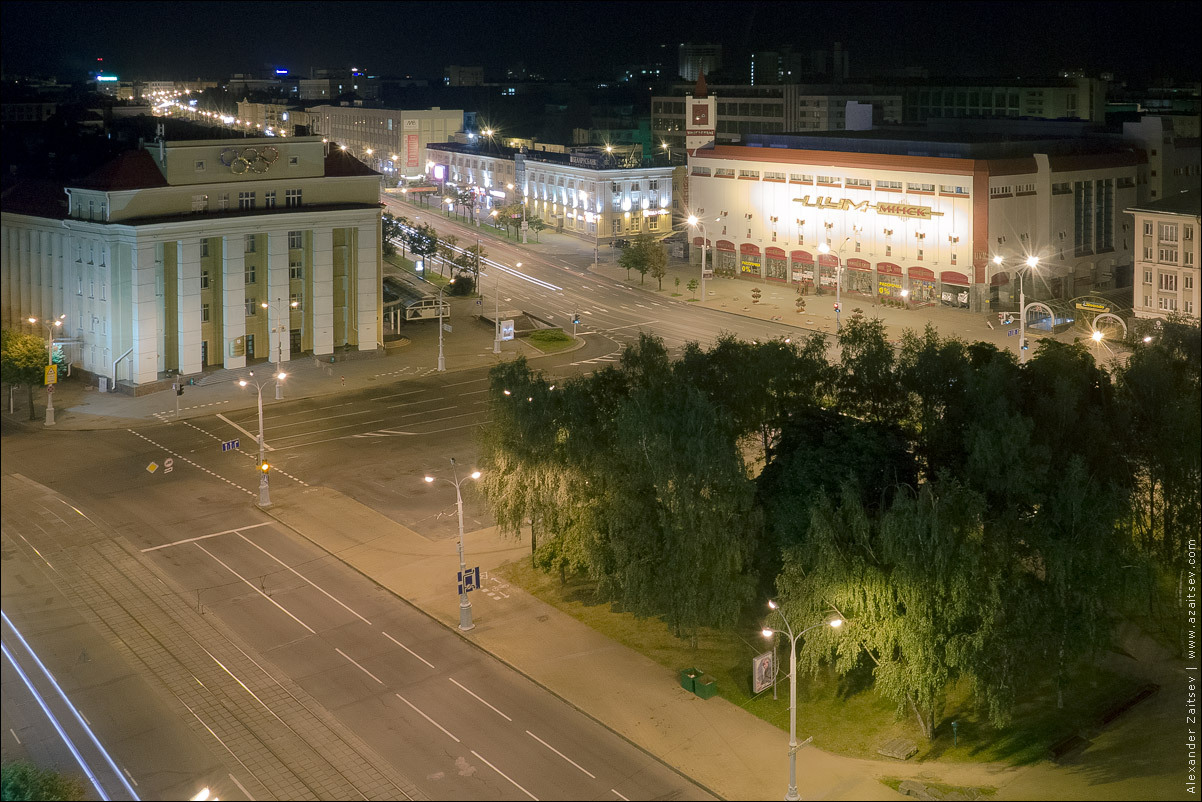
845	715
550	340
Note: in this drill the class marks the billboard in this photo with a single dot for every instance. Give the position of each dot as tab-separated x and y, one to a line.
763	672
411	150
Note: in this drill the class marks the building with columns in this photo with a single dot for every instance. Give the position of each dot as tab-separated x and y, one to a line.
186	255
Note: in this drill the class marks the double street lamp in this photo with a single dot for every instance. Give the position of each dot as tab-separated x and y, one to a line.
1031	263
825	249
835	621
465	606
279	340
695	222
50	326
264	466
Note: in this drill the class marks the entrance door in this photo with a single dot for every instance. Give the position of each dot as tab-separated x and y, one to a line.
204	353
250	346
294	340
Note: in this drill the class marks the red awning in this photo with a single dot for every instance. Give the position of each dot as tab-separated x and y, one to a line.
725	245
999	279
858	264
952	277
775	253
801	256
921	273
888	268
697	241
828	260
749	249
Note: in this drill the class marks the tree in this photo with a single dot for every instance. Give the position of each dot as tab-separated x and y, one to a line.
23	780
391	232
469	261
636	256
23	361
657	259
867	386
536	225
423	242
692	287
447	251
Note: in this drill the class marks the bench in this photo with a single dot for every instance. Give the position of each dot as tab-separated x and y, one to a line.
1142	693
1066	746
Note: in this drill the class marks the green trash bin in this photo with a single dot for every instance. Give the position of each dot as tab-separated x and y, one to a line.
688	678
705	686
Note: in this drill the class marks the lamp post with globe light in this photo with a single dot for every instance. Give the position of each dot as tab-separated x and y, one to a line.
465	605
50	326
834	621
695	221
1031	262
825	249
264	466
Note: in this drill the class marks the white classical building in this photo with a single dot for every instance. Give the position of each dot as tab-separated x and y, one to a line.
1167	262
184	255
392	141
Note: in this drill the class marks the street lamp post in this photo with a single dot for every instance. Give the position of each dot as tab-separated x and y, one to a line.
1031	263
496	315
694	221
465	606
50	327
264	466
824	248
834	621
281	329
442	361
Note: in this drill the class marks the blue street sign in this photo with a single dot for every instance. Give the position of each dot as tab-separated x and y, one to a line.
229	445
472	581
1012	333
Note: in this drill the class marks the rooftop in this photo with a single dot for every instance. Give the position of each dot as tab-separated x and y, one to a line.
589	159
964	144
1187	203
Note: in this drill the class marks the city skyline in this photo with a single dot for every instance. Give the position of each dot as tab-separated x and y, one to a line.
1016	39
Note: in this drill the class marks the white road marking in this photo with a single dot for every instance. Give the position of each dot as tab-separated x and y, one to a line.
323	431
435	723
253	695
205	537
398	395
193	464
130	776
471	381
619	796
256	590
243	789
506	776
411	403
561	754
14	735
254	437
406	648
305	578
361	668
486	704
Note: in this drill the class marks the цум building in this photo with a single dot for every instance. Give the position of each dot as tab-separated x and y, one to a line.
163	258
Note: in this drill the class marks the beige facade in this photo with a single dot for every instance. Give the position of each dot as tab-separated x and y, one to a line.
1168	258
391	141
163	260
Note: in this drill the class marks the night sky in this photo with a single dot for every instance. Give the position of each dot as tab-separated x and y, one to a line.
573	40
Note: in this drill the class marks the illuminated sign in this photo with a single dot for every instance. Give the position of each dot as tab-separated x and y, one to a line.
891	209
440	172
1092	306
281	72
107	78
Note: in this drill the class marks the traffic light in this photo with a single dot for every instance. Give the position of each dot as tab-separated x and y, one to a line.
179	388
575	318
265	467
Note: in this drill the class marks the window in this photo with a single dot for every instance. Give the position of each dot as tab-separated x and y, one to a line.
948	189
859	182
1189	259
1024	189
1187	282
723	172
1168	255
1147	301
1167	304
1147	228
798	178
200	166
888	250
829	180
1147	253
250	274
269	199
1168	232
1187	233
888	184
1000	192
204	313
250	243
919	257
1189	307
1168	282
1147	277
919	187
702	171
200	203
292	197
294	300
246	200
295	240
1062	189
204	248
752	174
296	270
204	280
770	175
292	162
252	307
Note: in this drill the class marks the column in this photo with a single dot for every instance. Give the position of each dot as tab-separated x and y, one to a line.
279	313
187	271
321	305
233	300
24	237
144	306
45	271
367	285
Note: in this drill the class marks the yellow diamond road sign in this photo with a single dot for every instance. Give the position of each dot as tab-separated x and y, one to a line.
152	467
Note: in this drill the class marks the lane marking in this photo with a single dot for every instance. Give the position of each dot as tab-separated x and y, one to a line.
331	429
398	395
242	788
471	381
406	648
253	437
561	754
506	776
619	796
70	744
243	684
256	590
486	704
358	666
193	464
305	578
205	537
436	724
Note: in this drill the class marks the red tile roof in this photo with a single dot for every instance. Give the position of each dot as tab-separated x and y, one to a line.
339	164
133	169
37	198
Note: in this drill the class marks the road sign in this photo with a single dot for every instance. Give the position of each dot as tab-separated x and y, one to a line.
470	581
51	374
506	329
152	467
836	307
49	388
229	445
446	327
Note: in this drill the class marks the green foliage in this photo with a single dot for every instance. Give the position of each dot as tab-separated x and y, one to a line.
423	242
391	229
692	287
24	781
22	361
867	385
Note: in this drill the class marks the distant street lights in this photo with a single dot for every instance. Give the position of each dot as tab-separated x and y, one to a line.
1031	263
264	466
50	326
465	606
834	621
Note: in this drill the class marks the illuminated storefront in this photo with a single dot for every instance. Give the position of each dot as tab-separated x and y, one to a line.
893	213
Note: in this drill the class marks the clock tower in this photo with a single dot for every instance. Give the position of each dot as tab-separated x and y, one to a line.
701	113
